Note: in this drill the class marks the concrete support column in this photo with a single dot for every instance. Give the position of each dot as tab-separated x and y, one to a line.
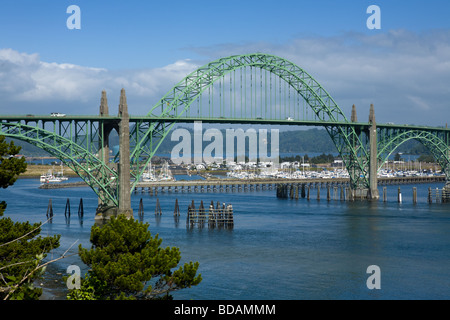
104	132
373	193
352	193
124	161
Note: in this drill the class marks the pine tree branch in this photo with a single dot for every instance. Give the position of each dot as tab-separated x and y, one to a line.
26	276
17	239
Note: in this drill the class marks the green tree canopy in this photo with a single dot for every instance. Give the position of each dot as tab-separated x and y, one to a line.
21	250
126	262
10	166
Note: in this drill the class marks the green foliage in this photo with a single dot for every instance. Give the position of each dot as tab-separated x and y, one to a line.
323	158
91	289
21	251
312	140
10	166
126	262
426	158
21	247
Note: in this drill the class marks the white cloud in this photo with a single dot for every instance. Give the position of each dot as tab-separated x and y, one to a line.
402	73
405	75
39	87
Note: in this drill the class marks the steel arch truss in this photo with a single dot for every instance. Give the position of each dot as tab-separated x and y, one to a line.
75	143
437	142
175	104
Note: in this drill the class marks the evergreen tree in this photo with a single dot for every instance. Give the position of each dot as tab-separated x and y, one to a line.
21	250
126	262
21	253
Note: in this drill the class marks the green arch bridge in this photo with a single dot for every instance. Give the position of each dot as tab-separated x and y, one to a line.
243	89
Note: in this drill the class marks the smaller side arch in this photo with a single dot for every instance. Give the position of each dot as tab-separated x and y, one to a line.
88	167
430	139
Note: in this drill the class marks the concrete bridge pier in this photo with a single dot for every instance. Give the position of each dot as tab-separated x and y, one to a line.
105	210
373	193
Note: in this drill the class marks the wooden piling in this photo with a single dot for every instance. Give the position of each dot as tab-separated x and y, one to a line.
414	195
158	211
201	215
430	198
230	218
67	209
81	209
188	216
50	210
176	211
211	216
141	210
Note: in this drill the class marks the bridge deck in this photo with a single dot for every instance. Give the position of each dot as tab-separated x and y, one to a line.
223	120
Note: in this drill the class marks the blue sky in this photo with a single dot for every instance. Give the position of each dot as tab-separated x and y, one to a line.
139	34
148	46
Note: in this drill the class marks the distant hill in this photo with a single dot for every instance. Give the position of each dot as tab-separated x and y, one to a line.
297	141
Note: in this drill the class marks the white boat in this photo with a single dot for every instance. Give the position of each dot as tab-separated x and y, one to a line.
54	179
148	175
165	174
49	177
44	177
60	175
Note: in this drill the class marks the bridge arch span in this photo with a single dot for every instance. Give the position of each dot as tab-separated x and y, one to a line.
179	99
175	104
93	171
435	143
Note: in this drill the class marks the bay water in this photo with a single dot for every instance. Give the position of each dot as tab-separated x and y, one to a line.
279	249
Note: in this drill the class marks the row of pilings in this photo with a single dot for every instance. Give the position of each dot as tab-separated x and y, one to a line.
332	191
67	211
219	216
153	191
439	195
341	192
223	185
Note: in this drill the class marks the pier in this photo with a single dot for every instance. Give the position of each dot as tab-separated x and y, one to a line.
258	184
244	184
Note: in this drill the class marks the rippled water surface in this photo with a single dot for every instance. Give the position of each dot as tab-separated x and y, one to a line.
279	248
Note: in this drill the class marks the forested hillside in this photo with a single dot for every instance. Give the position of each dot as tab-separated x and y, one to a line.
297	141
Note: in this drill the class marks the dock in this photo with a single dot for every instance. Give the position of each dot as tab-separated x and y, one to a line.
258	184
209	185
